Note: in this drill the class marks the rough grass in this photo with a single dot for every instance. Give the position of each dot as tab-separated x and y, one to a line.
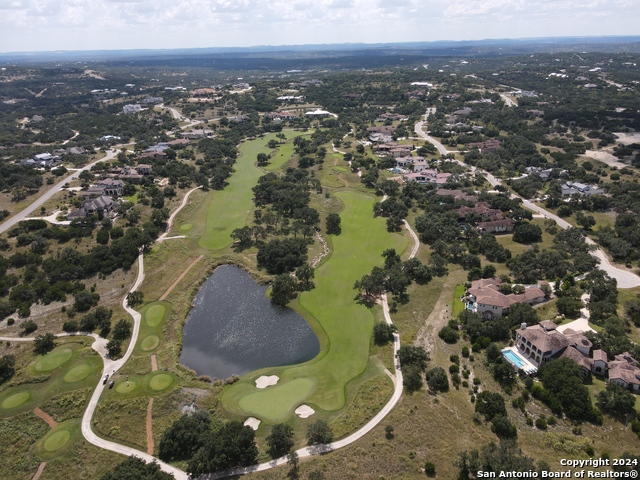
458	305
347	325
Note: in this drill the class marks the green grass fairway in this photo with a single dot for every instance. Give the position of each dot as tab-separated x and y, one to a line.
275	403
16	400
150	343
57	440
53	360
348	326
155	314
229	209
185	227
77	373
161	381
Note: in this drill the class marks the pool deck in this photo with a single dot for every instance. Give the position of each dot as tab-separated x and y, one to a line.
528	367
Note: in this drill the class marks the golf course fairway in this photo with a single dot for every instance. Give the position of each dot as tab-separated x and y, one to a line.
228	209
347	325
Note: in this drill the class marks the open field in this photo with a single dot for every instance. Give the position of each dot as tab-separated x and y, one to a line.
347	326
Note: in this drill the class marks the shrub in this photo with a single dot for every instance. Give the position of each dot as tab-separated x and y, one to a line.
465	351
541	423
70	326
437	380
28	326
449	335
430	469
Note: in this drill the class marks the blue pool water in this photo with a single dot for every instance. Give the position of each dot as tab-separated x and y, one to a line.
514	358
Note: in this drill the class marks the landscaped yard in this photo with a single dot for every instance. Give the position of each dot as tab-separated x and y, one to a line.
345	327
458	305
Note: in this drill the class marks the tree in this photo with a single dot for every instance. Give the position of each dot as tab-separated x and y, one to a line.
383	333
412	355
527	233
114	348
333	224
263	159
305	274
233	445
28	326
319	432
284	289
616	401
122	330
242	237
280	440
520	313
43	344
503	428
569	306
184	437
490	405
437	380
85	300
134	468
280	256
563	378
412	378
7	368
135	298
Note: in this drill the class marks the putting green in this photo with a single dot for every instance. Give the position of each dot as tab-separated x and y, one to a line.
54	359
123	388
77	373
275	403
57	440
160	381
150	343
155	314
348	326
185	227
16	400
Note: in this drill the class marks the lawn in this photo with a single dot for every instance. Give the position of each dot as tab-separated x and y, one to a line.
458	305
344	326
230	208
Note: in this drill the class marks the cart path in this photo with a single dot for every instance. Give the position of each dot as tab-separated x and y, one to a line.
163	237
149	427
39	471
165	294
45	416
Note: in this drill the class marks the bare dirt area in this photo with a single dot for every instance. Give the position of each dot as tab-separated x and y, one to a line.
627	138
605	157
45	416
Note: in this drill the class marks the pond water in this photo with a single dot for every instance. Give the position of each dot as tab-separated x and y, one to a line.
233	328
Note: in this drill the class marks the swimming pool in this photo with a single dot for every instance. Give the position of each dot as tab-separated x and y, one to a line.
514	358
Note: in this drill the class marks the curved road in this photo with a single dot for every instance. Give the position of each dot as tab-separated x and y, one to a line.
625	278
18	217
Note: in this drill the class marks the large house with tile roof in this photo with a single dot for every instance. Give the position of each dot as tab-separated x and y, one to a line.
485	297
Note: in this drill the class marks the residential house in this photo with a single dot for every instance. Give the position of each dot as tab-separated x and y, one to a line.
485	297
624	371
486	146
576	188
318	113
391	116
506	225
151	100
129	109
198	134
427	176
179	142
486	213
291	99
101	206
543	342
600	362
144	169
456	194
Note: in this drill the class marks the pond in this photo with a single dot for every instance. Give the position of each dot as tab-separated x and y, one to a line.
233	328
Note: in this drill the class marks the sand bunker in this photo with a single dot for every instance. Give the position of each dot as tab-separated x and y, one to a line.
266	381
304	411
252	422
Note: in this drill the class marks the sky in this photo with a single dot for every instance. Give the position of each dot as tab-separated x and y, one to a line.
48	25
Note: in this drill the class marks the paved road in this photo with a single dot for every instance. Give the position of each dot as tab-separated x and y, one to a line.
18	217
625	278
508	101
357	435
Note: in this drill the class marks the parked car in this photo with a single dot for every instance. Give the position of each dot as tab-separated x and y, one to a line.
106	377
111	384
